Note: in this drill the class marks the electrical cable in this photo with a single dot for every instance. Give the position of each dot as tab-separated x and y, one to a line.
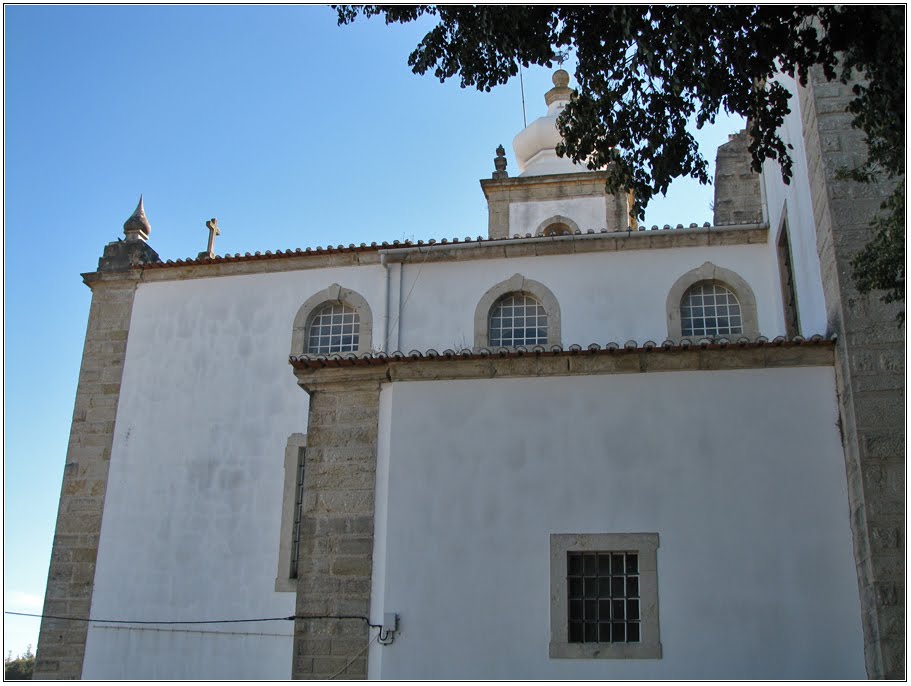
290	618
413	284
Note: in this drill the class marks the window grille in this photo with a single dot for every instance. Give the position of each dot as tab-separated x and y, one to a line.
298	514
788	289
518	319
335	328
603	590
710	309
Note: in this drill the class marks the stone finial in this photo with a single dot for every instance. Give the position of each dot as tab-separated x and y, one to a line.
561	89
499	163
137	227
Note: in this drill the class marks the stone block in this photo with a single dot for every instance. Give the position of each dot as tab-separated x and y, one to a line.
347	501
328	666
878	382
346	646
875	410
350	453
311	606
46	669
79	522
350	606
76	504
74	487
357	669
881	444
351	566
885	537
313	646
892	361
358	545
84	573
354	587
331	524
76	608
893	660
303	665
323	416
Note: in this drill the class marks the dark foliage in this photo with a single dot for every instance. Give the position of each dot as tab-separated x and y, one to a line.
645	71
19	668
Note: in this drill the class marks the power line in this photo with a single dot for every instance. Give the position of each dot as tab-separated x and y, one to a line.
290	618
522	87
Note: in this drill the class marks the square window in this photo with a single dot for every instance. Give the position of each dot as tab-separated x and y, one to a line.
604	596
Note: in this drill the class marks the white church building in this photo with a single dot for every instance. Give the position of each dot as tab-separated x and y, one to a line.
574	448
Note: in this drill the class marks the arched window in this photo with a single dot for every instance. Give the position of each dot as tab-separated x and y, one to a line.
558	225
334	328
710	309
711	301
335	320
517	319
515	312
556	229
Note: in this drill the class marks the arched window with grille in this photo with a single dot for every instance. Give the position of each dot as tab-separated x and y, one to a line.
517	319
334	328
711	302
710	309
335	320
517	312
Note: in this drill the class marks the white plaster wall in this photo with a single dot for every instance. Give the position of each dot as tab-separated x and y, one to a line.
794	201
608	296
192	511
588	213
740	473
208	400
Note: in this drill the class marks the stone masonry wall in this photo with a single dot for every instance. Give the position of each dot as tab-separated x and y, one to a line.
61	643
501	193
738	199
869	369
336	553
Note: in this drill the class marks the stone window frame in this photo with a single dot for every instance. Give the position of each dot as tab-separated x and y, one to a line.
332	294
517	283
712	273
557	219
646	546
294	454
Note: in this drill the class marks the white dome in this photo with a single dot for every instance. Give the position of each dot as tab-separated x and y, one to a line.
534	146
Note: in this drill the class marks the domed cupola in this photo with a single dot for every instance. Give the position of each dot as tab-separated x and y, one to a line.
551	196
534	146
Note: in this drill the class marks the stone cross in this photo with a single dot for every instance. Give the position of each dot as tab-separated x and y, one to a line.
212	225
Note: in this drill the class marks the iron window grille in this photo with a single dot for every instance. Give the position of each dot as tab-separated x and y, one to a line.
335	328
518	319
298	515
603	595
710	309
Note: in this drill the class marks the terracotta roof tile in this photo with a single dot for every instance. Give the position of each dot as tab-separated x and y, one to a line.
385	245
366	359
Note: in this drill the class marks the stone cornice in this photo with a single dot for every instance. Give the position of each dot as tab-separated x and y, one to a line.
595	179
313	374
444	251
93	279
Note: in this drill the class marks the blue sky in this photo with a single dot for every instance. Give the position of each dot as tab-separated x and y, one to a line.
292	131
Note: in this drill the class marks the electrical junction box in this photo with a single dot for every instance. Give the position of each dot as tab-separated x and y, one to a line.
390	621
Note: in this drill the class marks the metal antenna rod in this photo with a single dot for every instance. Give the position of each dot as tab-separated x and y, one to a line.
522	86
